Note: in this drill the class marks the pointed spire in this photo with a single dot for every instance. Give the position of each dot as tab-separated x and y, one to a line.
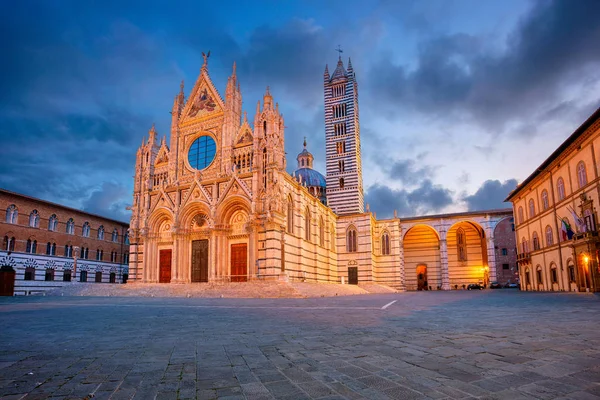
245	117
258	107
304	142
152	135
349	64
234	68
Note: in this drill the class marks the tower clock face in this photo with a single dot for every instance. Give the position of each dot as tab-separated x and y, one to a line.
202	152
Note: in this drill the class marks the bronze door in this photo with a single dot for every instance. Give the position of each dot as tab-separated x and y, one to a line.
200	260
353	275
239	266
165	266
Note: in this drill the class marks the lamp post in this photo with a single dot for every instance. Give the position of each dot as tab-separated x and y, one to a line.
75	255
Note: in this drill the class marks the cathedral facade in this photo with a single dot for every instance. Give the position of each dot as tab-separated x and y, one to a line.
217	204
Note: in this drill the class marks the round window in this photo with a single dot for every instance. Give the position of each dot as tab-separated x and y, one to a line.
202	152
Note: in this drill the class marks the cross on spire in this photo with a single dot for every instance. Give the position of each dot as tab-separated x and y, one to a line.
339	50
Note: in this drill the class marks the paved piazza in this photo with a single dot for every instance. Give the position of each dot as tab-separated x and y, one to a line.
501	344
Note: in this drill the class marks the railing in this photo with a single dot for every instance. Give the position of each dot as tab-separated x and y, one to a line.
523	257
590	235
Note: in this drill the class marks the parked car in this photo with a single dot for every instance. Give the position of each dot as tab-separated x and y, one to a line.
512	285
495	285
474	286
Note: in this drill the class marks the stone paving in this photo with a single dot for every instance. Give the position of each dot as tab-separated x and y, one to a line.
491	344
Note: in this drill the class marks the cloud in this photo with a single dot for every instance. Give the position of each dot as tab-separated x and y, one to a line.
110	200
490	195
456	75
409	172
428	198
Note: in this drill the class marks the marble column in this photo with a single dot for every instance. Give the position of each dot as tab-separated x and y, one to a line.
444	264
213	257
491	255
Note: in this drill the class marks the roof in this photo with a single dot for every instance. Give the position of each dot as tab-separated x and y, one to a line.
310	177
460	214
339	72
570	140
62	206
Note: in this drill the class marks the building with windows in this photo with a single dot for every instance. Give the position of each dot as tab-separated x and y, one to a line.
216	203
556	214
44	242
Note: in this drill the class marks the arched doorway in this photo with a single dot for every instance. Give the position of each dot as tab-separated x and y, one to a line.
422	277
467	254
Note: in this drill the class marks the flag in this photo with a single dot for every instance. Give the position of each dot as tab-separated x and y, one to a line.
566	229
563	230
578	220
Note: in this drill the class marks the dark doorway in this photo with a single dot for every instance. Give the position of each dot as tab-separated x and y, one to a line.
200	260
7	280
239	265
165	266
421	277
112	278
98	277
67	275
353	275
83	276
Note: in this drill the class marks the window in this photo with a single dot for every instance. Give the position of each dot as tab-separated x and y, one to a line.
52	223
560	188
581	174
531	208
115	236
321	232
202	152
34	219
85	252
351	243
521	215
290	215
544	199
85	229
83	276
307	225
461	244
67	275
549	236
126	257
341	183
49	276
29	274
385	244
341	166
99	255
68	250
9	243
505	266
12	214
589	219
504	252
31	246
571	269
524	246
113	256
265	159
48	248
340	147
553	275
527	277
126	238
101	232
536	241
538	275
71	226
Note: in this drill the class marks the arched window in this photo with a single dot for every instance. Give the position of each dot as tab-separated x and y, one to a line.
461	244
68	250
265	128
571	270
52	223
560	188
332	238
341	183
581	174
115	235
520	215
51	249
307	224
85	229
536	241
101	232
531	208
385	244
321	232
126	257
12	214
544	199
538	275
351	242
264	165
290	215
9	243
553	273
524	246
71	226
549	236
31	246
34	219
126	238
99	254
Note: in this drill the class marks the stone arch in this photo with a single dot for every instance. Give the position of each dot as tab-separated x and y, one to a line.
422	247
188	214
467	261
158	218
230	205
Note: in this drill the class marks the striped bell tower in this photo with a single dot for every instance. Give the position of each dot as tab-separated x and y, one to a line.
342	139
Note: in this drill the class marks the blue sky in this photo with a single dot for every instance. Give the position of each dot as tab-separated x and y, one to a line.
459	100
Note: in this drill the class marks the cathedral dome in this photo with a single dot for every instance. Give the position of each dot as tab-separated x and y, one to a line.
310	177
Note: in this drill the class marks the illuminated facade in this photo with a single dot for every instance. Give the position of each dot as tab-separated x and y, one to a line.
217	204
555	210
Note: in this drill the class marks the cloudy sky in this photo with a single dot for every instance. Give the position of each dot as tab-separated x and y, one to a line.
459	100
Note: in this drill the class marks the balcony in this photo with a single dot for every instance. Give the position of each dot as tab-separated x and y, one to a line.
591	236
523	257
